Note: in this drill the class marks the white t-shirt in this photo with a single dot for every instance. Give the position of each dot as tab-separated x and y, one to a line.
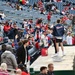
45	40
69	40
3	15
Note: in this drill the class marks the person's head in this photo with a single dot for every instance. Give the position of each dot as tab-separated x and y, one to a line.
3	47
3	66
43	69
45	33
14	25
20	43
58	21
25	42
18	72
69	33
29	38
50	30
6	23
50	67
9	48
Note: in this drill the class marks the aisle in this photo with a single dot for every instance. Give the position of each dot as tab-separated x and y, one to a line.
65	64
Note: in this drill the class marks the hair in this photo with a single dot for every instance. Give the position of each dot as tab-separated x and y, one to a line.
3	47
4	66
22	67
58	21
43	68
25	41
9	48
20	43
49	65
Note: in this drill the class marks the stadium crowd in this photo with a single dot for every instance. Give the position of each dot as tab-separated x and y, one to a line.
16	41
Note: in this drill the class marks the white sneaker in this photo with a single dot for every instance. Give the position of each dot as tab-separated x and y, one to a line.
63	54
55	55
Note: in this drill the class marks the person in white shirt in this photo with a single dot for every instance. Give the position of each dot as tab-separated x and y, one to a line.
69	38
44	38
2	15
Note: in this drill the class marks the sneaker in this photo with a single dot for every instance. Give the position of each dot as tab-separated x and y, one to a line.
55	55
63	55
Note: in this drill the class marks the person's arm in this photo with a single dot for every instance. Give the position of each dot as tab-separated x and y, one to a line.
18	54
53	31
15	65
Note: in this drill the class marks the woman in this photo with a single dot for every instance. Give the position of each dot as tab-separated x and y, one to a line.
3	69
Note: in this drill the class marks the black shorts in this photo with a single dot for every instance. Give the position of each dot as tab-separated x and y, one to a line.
58	40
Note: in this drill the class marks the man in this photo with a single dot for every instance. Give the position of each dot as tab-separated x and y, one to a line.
43	70
9	58
22	53
58	32
50	69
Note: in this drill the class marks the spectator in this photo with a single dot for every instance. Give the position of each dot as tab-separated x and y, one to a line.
3	48
2	16
22	53
35	6
18	72
48	17
43	70
6	28
13	32
50	69
3	69
44	38
23	69
69	38
9	58
58	32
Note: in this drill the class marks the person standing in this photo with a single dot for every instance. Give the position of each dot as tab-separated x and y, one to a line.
49	17
22	53
9	58
58	32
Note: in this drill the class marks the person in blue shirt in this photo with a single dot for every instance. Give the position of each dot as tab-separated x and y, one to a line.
58	32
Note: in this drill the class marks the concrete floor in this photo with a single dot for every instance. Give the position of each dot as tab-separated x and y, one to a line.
65	64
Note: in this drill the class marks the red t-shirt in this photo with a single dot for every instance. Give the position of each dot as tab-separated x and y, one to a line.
48	17
58	0
7	28
24	73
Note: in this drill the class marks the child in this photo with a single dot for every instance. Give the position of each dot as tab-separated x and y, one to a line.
69	38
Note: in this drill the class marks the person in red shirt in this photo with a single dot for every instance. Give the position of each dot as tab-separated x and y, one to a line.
23	2
48	17
6	28
40	4
23	69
